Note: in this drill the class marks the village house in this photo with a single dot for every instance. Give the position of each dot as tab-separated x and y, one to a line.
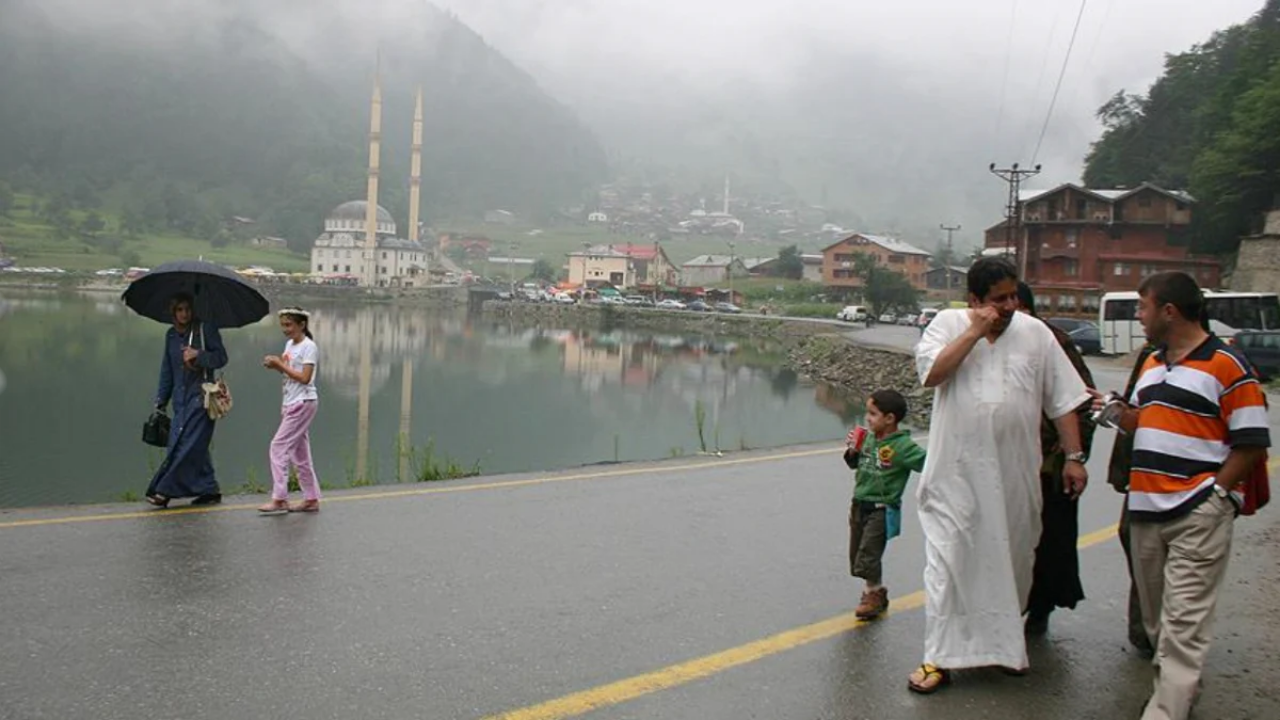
651	264
601	265
1077	243
838	269
711	270
953	278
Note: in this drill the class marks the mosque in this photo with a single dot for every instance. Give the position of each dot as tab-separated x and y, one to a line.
359	239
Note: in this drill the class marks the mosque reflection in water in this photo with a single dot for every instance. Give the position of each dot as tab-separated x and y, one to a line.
605	378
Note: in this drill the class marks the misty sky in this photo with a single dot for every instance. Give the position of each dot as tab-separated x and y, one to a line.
593	51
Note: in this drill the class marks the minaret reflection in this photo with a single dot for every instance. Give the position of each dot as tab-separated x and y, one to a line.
361	346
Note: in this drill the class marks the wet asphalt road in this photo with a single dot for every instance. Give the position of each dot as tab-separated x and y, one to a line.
471	598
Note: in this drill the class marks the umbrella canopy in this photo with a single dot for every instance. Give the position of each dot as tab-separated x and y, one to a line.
221	296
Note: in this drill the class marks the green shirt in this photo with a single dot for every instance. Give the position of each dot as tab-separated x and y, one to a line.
883	467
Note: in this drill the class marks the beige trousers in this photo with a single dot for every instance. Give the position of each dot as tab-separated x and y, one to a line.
1179	565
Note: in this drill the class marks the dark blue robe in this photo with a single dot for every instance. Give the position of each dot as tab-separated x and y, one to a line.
187	470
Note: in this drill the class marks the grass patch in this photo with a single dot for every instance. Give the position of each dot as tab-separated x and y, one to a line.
34	243
428	465
812	310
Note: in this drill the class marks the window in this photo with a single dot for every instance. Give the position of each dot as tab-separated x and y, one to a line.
1121	269
384	254
1122	310
335	268
1070	268
1073	237
348	255
382	269
319	268
1148	270
897	259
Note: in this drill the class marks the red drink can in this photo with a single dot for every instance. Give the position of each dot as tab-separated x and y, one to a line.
857	437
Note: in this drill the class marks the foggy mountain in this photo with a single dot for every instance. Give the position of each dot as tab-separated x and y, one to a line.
176	109
890	110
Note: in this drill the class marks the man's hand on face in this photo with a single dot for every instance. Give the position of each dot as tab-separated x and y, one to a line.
984	319
1074	479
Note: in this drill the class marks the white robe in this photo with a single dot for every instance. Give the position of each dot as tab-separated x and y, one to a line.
979	496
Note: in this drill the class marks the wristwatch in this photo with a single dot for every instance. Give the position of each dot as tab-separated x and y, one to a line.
1077	456
1225	494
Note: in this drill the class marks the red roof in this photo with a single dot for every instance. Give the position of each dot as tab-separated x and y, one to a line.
637	252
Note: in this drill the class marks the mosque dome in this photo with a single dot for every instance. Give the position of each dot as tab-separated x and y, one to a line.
350	216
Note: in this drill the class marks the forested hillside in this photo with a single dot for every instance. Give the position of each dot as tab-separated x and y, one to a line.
1210	124
209	117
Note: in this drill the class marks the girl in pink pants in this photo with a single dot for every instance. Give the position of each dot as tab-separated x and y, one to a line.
292	443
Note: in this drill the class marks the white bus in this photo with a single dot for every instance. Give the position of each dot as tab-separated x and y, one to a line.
1229	312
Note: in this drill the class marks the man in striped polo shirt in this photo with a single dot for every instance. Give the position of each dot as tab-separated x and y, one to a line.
1199	423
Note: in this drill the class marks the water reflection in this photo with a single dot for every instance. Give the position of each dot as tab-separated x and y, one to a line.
391	378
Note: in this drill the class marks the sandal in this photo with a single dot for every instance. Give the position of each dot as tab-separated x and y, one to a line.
275	507
158	500
306	506
927	679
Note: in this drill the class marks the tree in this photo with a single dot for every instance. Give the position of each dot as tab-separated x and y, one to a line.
883	288
544	271
92	224
789	264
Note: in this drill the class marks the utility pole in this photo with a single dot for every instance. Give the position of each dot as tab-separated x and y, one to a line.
511	272
1013	239
947	270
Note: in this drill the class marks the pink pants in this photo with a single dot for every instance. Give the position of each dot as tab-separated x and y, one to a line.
292	444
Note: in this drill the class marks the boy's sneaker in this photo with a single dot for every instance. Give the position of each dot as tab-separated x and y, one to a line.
873	604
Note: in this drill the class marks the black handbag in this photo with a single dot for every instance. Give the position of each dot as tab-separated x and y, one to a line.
155	431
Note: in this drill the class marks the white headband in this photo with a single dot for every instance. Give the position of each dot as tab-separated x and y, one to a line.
294	311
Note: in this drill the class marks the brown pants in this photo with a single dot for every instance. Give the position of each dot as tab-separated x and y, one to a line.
1179	566
867	540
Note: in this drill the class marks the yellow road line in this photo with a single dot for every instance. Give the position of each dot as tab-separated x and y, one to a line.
389	494
681	673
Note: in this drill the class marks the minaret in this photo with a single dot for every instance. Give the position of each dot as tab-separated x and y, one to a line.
726	193
371	211
415	168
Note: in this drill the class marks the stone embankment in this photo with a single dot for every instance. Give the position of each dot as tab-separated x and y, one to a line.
821	351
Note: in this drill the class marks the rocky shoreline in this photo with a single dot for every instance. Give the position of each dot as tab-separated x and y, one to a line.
817	350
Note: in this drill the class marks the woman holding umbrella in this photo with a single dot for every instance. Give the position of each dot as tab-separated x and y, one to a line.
196	299
192	349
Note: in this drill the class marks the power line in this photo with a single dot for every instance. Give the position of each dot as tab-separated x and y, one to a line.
1061	74
1008	56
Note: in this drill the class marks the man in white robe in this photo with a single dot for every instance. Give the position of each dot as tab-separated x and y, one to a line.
994	370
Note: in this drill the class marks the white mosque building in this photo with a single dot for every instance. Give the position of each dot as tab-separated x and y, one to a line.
340	250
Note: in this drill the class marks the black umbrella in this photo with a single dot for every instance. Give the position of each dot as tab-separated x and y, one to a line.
221	296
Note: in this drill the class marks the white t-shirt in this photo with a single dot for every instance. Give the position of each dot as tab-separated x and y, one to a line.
296	356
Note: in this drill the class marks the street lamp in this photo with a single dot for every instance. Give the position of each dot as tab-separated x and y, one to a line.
731	258
511	272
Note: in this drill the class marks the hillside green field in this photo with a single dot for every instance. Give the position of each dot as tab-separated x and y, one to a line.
32	242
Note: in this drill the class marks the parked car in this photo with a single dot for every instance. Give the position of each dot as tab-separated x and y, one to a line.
1087	339
908	319
638	301
699	306
1262	349
888	319
1068	325
565	299
925	317
852	313
727	307
670	304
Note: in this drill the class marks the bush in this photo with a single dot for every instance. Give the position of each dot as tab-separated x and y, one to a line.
130	258
812	310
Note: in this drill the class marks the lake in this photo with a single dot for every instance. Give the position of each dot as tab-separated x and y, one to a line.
78	371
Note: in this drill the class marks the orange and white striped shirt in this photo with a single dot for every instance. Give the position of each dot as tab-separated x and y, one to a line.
1190	415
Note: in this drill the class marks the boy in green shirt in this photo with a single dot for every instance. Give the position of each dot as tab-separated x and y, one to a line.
883	457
